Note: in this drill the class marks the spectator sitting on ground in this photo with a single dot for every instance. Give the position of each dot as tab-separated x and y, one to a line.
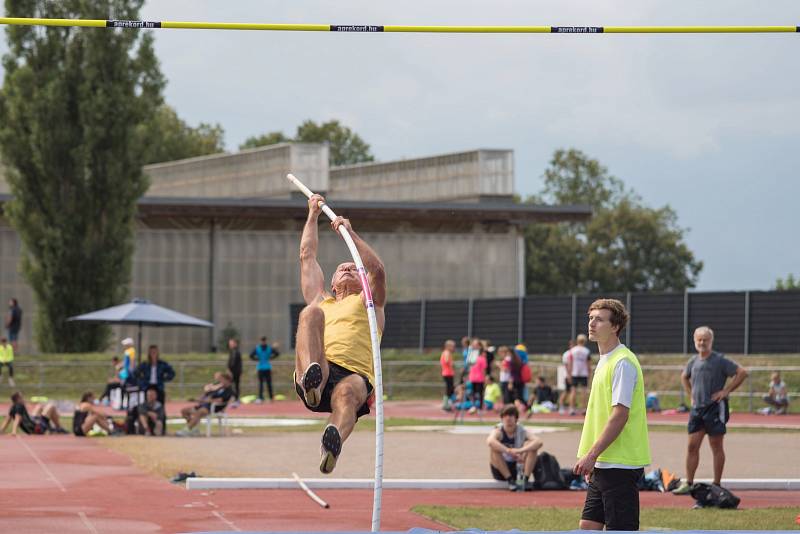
39	423
509	445
492	395
217	394
542	398
151	413
87	415
777	397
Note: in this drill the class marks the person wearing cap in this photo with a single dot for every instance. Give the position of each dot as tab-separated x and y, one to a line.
128	360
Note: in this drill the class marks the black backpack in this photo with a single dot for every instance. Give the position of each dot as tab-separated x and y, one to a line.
547	473
712	495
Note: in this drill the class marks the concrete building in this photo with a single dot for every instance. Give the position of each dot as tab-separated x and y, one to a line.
218	236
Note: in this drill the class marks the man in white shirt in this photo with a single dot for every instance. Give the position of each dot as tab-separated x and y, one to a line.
579	369
614	445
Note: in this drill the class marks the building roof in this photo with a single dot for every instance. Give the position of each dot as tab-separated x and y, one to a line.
249	208
297	208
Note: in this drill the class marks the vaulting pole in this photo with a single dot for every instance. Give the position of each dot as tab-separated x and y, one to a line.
376	356
370	28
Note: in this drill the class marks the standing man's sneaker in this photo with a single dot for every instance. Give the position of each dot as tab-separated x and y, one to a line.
683	489
331	448
512	484
310	383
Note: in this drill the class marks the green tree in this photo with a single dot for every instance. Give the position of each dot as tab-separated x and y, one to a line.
625	246
272	138
346	146
170	138
790	283
71	106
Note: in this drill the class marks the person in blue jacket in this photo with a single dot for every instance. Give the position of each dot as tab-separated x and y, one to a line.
264	353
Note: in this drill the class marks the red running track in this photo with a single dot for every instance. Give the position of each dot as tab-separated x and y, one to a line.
66	484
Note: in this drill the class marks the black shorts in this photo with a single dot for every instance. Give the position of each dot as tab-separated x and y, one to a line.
448	386
41	424
613	498
580	381
336	373
512	467
711	418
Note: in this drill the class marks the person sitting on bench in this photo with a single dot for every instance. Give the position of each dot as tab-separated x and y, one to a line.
218	396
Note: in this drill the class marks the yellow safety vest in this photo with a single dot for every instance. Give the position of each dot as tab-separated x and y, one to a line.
632	446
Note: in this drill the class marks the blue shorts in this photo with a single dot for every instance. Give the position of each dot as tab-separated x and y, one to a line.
13	335
711	418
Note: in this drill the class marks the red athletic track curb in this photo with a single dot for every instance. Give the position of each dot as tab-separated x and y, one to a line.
66	484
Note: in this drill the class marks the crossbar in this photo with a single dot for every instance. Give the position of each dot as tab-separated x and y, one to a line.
371	28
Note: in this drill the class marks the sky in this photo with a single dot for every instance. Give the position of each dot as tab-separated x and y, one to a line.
707	124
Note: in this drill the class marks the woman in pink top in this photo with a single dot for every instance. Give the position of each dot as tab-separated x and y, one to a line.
477	375
446	361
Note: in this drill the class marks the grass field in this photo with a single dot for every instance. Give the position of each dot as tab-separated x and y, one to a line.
651	518
407	374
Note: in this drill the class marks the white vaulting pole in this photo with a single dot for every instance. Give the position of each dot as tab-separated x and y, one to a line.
376	355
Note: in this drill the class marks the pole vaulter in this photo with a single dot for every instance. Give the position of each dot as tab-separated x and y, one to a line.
376	353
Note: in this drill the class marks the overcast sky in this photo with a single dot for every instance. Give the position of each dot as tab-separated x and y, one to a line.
709	124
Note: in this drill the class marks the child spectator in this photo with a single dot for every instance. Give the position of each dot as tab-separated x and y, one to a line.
504	354
492	395
114	380
477	377
777	397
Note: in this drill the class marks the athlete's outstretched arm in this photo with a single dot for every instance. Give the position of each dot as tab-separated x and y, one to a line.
312	281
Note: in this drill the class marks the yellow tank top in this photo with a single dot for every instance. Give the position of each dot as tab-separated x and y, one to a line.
347	339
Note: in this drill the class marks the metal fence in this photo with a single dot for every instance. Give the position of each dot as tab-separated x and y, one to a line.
746	322
402	380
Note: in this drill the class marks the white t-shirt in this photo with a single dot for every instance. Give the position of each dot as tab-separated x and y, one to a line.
622	384
580	360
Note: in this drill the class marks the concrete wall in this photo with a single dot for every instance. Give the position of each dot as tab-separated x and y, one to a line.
256	273
465	176
255	173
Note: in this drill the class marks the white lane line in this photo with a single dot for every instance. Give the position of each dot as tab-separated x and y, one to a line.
44	467
224	520
88	523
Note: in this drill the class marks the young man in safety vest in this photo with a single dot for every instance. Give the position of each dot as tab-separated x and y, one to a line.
333	354
614	446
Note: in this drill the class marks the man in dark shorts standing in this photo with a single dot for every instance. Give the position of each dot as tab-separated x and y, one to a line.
704	380
511	444
614	447
333	352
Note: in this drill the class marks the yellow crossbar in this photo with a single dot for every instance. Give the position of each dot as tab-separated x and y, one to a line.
368	28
